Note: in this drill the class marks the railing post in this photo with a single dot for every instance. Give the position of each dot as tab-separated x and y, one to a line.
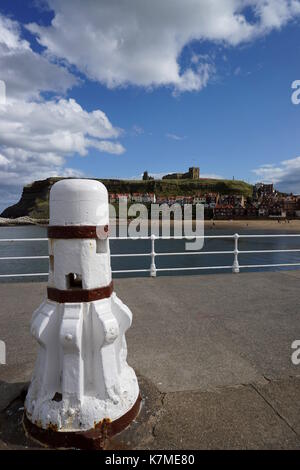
153	267
236	266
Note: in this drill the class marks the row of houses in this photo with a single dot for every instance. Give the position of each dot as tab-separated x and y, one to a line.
209	200
134	197
264	203
268	205
235	212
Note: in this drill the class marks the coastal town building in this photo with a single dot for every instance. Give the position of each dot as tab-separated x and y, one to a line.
265	202
235	200
193	174
262	189
146	176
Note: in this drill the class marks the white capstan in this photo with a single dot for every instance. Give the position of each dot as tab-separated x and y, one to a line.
81	376
79	202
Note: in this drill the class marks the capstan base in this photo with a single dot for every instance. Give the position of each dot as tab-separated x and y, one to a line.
93	439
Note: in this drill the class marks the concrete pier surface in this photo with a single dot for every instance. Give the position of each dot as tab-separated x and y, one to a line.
212	354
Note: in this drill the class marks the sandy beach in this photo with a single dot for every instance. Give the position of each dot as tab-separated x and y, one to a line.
240	225
270	225
222	225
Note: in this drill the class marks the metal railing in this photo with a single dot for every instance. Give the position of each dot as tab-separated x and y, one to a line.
153	270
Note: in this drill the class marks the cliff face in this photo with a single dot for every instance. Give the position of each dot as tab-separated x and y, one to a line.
34	201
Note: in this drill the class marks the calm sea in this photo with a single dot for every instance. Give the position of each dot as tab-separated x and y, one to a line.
139	246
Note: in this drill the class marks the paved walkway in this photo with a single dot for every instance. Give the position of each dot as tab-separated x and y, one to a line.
213	355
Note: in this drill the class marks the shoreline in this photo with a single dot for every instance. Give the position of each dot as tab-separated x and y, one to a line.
292	225
22	221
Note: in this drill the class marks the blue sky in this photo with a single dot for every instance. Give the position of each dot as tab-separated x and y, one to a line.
179	84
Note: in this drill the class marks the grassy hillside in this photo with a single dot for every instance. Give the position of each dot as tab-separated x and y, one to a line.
34	201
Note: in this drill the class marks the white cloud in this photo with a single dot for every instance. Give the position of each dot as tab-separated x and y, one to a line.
156	176
54	126
19	167
37	136
285	176
212	176
175	137
137	130
24	167
275	13
26	73
121	42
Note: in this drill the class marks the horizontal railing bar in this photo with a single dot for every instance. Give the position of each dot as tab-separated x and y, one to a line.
23	239
292	250
225	267
167	269
173	237
194	253
224	252
268	265
194	268
275	235
117	255
23	257
193	237
132	271
24	275
131	238
183	237
128	254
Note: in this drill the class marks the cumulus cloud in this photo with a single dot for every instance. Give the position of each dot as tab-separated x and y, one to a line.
26	73
285	176
36	138
274	14
54	126
36	135
120	42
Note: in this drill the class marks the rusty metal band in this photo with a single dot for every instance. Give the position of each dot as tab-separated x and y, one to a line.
94	439
77	231
79	295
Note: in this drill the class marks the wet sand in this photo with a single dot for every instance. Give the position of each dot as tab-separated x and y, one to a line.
233	226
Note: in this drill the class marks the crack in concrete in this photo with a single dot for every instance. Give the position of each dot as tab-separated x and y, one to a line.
266	378
274	409
158	414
